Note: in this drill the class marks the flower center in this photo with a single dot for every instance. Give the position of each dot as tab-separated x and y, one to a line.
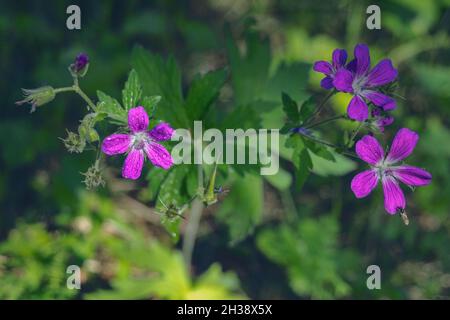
383	169
140	139
358	84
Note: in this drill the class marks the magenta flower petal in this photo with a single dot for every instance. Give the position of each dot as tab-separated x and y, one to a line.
379	99
404	143
364	182
343	80
362	59
158	155
327	83
384	122
412	176
162	131
390	105
339	58
383	73
369	150
132	167
357	109
116	144
394	199
323	67
137	119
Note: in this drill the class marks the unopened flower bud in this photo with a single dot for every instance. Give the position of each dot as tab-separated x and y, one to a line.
380	120
80	66
37	97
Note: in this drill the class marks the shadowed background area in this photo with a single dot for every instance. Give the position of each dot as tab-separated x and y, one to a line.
267	238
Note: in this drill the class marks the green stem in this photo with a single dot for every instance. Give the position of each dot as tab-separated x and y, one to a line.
355	132
85	98
331	145
321	105
194	221
319	123
64	89
77	89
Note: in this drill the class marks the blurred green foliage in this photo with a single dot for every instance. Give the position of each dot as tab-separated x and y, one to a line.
226	62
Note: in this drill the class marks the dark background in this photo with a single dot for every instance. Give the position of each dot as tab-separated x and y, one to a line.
48	220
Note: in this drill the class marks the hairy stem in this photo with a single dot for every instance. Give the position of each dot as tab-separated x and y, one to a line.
320	106
64	89
355	132
319	123
77	89
331	145
194	221
85	98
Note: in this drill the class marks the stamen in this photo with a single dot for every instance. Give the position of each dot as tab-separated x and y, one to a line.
404	216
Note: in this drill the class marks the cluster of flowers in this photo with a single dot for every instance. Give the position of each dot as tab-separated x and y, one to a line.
364	83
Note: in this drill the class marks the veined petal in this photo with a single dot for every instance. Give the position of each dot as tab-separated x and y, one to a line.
327	83
412	176
137	119
343	80
162	131
379	99
158	155
394	199
132	167
357	109
323	67
363	183
369	150
383	73
116	144
362	57
403	144
339	58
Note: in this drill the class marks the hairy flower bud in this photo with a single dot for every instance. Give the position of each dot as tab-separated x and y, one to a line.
74	142
37	97
86	129
80	66
93	177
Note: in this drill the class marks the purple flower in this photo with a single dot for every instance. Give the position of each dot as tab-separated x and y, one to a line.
81	61
339	58
385	168
139	143
357	78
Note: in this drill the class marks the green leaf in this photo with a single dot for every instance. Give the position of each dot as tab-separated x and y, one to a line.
307	109
111	107
340	166
301	159
132	91
202	93
163	78
290	108
150	104
281	180
288	78
250	71
319	150
308	250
